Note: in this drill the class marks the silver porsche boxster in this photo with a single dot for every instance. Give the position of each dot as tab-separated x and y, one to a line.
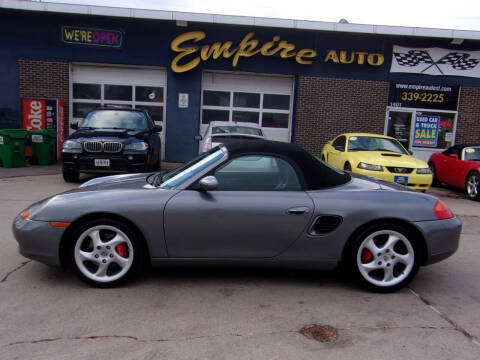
241	203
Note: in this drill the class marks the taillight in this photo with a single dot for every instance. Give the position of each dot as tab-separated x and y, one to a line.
442	211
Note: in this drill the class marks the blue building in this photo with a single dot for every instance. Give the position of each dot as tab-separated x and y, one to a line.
302	81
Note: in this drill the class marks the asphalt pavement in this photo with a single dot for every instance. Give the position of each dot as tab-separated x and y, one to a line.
172	313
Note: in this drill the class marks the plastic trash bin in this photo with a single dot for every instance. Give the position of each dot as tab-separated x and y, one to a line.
12	147
44	146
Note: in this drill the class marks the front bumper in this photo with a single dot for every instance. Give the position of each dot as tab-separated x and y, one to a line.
442	238
38	240
416	181
119	163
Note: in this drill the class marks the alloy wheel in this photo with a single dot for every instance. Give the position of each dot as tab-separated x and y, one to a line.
103	253
385	258
473	183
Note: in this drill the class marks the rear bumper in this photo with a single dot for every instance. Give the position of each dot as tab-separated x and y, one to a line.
442	238
118	164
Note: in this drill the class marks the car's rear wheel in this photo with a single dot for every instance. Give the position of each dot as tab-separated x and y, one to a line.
347	167
70	175
473	186
105	252
433	170
384	258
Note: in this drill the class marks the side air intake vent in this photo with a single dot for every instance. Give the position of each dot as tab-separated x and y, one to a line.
325	224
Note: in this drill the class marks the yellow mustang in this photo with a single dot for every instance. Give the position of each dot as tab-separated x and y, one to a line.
379	156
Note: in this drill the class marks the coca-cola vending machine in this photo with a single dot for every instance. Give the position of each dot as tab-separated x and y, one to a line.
40	114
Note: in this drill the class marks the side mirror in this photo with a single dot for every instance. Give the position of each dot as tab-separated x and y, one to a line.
410	152
198	137
209	183
454	156
74	126
157	128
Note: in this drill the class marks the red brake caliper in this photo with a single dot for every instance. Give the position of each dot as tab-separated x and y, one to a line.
122	250
367	256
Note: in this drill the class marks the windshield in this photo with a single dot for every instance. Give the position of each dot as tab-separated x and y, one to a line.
472	154
115	119
190	168
370	143
237	130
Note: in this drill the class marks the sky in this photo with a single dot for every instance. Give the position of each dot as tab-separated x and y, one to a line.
442	14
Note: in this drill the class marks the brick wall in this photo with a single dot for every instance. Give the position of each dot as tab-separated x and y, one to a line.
45	80
468	122
327	107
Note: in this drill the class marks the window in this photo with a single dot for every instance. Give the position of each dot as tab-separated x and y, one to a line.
267	110
257	172
88	97
216	98
149	94
87	91
245	116
339	143
248	100
214	115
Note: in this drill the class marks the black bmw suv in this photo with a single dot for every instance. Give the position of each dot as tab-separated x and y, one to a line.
112	140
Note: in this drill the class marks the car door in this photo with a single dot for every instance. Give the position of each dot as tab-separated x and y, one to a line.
336	155
446	167
258	211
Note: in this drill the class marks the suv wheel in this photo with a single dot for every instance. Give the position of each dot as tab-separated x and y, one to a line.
70	175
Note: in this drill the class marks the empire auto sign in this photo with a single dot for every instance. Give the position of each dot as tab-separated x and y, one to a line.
190	53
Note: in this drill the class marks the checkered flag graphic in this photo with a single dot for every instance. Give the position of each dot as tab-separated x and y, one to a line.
459	61
413	58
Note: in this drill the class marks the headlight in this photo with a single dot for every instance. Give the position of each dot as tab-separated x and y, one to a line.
137	146
72	146
365	166
424	171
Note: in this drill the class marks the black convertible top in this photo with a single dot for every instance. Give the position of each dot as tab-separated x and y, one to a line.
458	148
316	174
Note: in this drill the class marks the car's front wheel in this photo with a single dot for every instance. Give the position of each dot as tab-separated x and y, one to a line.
70	175
473	186
384	258
347	167
105	253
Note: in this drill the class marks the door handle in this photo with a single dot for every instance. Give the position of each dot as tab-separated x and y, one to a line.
298	210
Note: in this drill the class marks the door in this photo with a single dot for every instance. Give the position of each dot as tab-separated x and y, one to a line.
421	131
398	126
139	88
258	211
336	155
264	100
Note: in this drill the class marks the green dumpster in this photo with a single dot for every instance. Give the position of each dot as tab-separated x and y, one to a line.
44	146
12	147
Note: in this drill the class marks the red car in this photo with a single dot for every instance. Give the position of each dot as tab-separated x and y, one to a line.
458	166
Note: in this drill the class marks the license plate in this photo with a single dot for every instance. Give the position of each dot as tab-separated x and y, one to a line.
401	179
102	162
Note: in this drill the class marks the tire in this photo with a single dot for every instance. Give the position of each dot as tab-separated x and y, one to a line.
472	186
433	170
323	158
384	258
105	252
70	175
347	167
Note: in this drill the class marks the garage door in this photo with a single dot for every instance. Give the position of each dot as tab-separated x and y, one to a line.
137	88
264	100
